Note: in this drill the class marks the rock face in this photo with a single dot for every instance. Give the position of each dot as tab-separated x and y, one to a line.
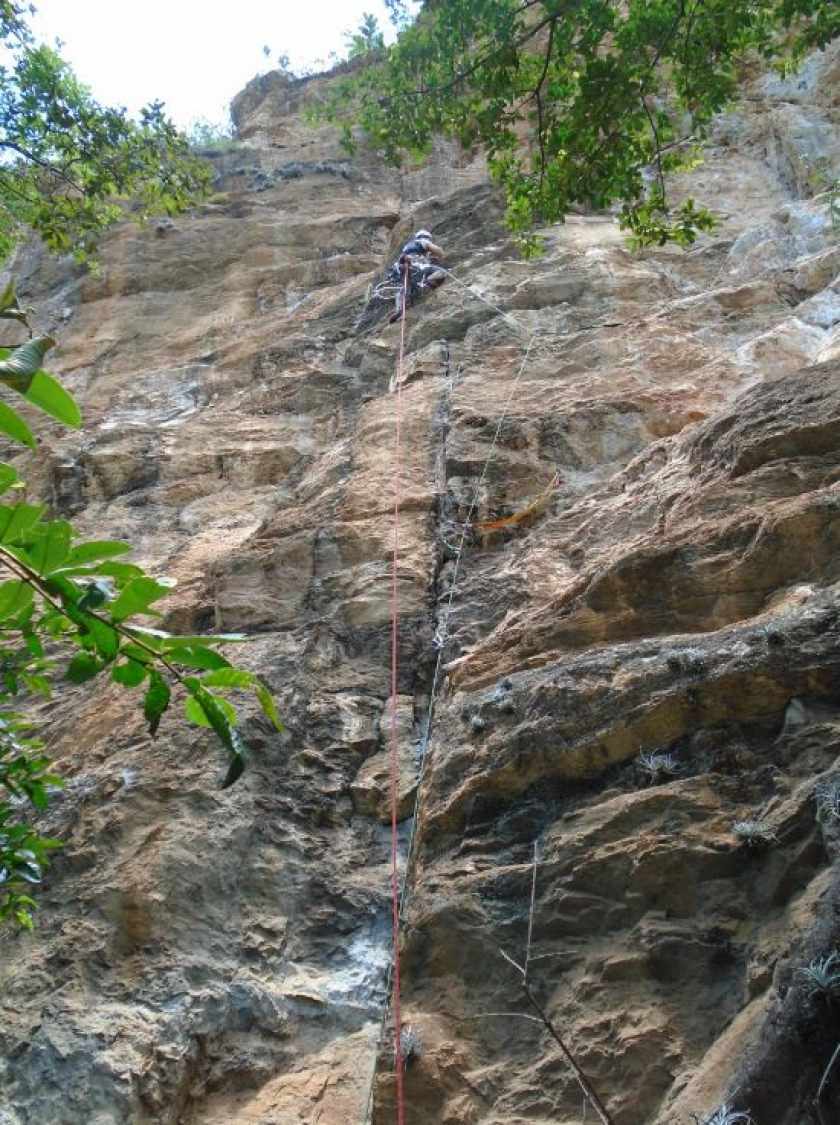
648	658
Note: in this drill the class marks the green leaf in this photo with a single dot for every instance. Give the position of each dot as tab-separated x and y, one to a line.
95	550
221	717
121	572
106	639
153	638
156	702
9	307
16	520
129	674
193	657
95	594
13	426
137	596
268	707
49	395
39	684
8	476
14	597
83	667
202	639
235	770
227	677
49	546
195	708
18	367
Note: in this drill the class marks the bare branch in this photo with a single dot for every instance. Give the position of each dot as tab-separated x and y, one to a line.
531	911
657	146
826	1072
582	1081
511	961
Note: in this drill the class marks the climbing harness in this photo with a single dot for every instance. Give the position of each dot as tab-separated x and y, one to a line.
384	294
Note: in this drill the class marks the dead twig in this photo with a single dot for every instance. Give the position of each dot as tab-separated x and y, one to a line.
582	1080
826	1072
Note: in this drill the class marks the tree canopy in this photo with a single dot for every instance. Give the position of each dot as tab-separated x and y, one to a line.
68	165
588	102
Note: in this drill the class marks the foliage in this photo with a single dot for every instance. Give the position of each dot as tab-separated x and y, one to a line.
210	136
77	608
657	766
755	834
822	976
827	795
366	40
400	12
586	102
409	1045
725	1115
69	164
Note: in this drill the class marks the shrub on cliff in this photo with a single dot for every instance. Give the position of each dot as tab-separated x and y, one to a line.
585	102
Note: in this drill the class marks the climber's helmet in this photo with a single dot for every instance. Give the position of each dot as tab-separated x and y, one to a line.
423	234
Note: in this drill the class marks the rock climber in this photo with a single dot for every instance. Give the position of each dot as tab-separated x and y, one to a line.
419	255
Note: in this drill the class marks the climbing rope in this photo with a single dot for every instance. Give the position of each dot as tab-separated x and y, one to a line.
400	888
443	632
395	878
475	293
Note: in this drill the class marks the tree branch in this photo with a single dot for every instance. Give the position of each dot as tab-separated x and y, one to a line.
482	60
586	1086
657	146
19	568
582	1081
41	163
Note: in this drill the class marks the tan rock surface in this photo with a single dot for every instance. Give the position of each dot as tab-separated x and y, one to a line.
207	957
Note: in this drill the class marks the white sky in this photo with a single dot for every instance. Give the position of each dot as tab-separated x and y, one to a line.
192	55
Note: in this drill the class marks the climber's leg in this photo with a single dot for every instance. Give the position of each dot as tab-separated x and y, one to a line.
398	307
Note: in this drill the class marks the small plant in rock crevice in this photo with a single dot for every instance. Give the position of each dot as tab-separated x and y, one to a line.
725	1115
657	766
827	796
822	976
409	1045
754	833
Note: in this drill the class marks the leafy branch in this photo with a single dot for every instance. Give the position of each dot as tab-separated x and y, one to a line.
574	101
80	599
70	164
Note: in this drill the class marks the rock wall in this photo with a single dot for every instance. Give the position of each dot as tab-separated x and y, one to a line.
648	659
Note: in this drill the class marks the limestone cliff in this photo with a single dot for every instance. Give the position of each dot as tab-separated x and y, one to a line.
651	657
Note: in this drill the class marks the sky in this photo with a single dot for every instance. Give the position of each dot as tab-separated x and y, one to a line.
193	55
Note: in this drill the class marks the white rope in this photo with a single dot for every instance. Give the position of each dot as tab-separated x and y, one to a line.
442	634
480	296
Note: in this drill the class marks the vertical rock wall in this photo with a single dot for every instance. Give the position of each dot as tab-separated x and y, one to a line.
648	658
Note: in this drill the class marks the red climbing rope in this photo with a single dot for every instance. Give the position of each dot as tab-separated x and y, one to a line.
398	1059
